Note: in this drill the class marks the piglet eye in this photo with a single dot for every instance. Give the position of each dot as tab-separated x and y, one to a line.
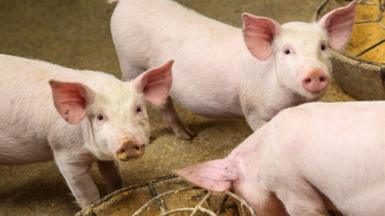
100	117
323	46
138	109
286	51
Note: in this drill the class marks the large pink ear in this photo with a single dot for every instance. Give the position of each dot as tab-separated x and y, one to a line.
216	175
70	100
339	25
259	33
156	83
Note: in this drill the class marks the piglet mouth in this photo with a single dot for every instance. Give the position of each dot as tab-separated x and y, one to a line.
130	150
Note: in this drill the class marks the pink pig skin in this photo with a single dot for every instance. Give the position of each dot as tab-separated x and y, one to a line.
52	112
305	158
223	71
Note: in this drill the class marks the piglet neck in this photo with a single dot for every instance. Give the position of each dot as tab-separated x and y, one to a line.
287	95
278	96
260	89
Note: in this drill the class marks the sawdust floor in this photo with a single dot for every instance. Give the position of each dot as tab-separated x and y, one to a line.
76	34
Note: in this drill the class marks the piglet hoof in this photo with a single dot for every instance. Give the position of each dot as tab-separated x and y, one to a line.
152	138
183	132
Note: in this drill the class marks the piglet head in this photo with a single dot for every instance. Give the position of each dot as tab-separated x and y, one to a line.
152	86
113	114
299	51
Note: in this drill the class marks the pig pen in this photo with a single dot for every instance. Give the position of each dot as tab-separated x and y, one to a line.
76	34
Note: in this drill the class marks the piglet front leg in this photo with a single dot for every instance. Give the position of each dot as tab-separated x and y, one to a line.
76	172
300	198
253	118
254	121
111	175
266	203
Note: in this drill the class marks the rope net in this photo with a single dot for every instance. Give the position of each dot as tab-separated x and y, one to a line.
168	196
197	202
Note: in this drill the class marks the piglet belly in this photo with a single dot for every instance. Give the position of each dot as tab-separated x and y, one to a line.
211	109
14	151
213	104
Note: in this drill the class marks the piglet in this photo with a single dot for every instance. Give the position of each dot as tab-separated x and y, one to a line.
306	160
222	71
76	117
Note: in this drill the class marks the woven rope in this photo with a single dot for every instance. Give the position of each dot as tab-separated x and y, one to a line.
244	209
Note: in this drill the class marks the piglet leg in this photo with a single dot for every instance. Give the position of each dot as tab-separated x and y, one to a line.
78	178
111	175
267	204
173	121
254	120
301	199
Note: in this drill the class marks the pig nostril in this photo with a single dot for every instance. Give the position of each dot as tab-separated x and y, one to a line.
322	79
308	80
137	148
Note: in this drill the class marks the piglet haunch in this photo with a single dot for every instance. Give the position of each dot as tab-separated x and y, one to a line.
76	118
223	71
307	160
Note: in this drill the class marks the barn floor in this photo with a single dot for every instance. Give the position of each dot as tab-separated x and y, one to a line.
76	34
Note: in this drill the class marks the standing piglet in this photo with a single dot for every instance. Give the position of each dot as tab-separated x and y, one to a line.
222	72
75	118
305	159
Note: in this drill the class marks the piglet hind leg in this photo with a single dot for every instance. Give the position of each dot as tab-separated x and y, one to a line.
301	199
78	178
267	204
172	120
111	175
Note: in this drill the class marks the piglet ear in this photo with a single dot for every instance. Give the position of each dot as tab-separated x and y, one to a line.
339	25
259	33
216	175
70	100
155	83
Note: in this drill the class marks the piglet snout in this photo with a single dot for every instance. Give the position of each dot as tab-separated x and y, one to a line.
316	81
130	149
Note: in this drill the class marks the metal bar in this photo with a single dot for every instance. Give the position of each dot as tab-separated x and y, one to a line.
371	47
200	203
242	202
320	8
154	193
161	195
